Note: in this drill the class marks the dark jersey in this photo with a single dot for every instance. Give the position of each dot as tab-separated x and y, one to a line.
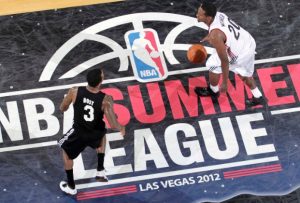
88	114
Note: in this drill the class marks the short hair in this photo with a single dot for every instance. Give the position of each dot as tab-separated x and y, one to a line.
209	8
93	77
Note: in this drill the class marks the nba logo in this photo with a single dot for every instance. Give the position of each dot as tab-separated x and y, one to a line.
146	57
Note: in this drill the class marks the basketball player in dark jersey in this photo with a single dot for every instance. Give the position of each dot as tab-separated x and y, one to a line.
88	129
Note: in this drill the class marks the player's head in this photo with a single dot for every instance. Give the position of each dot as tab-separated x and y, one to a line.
95	77
206	12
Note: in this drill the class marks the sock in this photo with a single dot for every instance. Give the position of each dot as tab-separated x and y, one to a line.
215	89
100	166
70	177
256	93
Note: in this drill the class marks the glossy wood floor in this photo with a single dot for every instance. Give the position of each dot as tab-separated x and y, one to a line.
9	7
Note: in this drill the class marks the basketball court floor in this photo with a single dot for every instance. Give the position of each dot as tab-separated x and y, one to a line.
178	147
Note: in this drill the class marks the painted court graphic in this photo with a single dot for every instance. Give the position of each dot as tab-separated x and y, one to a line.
178	147
146	59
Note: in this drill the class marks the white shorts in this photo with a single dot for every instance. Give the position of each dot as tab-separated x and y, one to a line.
243	66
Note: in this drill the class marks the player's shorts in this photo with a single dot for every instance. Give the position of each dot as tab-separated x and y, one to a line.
244	64
75	141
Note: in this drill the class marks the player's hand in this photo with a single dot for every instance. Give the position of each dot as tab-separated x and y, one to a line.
223	87
123	130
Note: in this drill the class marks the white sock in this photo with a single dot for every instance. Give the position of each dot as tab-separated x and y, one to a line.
215	89
256	93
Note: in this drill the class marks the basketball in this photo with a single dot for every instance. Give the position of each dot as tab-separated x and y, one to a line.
197	54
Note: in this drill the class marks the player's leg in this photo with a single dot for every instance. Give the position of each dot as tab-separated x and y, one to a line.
69	186
100	175
245	70
71	147
215	71
249	81
257	95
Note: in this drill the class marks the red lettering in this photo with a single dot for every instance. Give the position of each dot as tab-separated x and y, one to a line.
138	106
294	71
269	87
177	95
184	102
121	111
237	95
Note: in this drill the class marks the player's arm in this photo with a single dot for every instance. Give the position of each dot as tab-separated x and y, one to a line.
107	107
217	40
205	39
68	99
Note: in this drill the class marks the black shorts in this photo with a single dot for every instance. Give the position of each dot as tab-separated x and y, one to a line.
75	141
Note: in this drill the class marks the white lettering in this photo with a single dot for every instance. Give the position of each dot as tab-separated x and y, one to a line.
146	73
116	152
142	137
173	147
13	124
249	135
210	140
149	186
33	117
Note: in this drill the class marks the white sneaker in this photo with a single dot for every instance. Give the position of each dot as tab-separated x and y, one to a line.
101	177
66	188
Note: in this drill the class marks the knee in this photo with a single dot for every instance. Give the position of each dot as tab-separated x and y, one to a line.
247	80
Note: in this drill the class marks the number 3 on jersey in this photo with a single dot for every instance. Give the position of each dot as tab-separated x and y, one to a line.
90	113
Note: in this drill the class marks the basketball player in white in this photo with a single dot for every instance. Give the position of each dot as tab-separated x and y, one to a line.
235	51
139	48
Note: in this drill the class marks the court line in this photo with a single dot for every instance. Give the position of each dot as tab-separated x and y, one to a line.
178	172
28	146
131	78
283	111
282	58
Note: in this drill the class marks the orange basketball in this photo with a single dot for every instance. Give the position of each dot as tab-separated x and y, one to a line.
197	54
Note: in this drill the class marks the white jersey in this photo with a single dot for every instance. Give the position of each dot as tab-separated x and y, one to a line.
238	41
